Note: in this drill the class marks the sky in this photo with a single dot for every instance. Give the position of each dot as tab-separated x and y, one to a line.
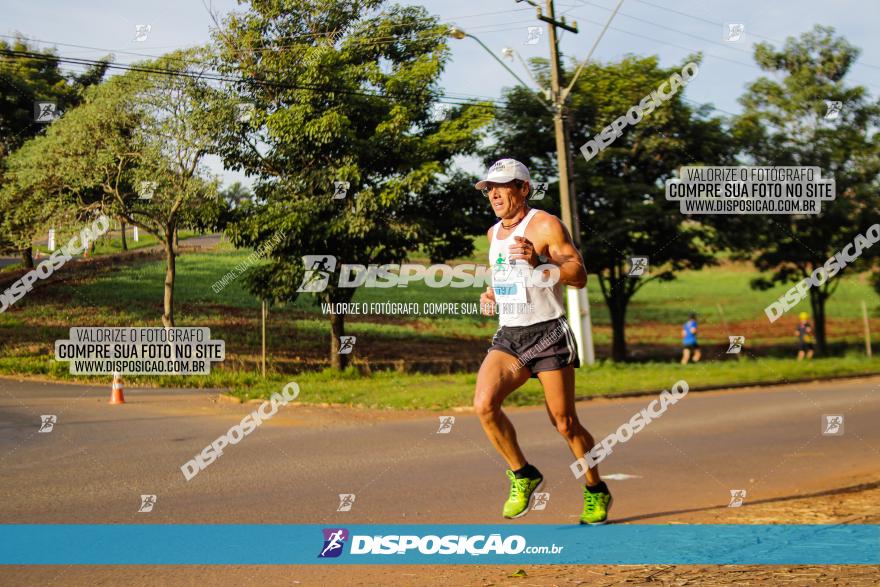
671	29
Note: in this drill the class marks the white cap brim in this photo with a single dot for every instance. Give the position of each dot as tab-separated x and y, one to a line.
496	179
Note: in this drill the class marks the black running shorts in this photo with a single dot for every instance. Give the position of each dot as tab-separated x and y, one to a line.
545	346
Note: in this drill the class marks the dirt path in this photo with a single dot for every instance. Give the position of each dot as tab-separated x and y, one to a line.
856	504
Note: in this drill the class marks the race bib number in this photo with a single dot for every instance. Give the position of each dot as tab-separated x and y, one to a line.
509	285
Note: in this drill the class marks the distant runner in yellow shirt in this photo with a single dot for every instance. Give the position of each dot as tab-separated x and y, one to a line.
804	332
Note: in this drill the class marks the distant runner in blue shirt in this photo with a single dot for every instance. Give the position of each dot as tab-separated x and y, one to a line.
689	339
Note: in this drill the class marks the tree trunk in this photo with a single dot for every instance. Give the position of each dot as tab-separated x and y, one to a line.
337	329
124	242
27	258
170	272
176	240
617	310
817	303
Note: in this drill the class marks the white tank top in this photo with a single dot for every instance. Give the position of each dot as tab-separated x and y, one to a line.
518	301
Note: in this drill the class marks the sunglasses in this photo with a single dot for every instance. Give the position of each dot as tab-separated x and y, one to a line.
518	183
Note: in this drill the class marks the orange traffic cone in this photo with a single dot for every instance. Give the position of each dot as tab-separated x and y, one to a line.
116	395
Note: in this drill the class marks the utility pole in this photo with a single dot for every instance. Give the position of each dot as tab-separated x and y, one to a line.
263	311
578	301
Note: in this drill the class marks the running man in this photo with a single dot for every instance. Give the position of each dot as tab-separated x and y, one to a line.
804	333
689	340
534	339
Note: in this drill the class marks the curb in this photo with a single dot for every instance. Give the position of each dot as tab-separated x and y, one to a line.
641	393
224	398
731	386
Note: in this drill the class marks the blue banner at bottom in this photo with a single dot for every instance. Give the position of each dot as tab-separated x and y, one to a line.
222	544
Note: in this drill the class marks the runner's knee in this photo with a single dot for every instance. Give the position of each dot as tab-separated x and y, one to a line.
567	426
485	405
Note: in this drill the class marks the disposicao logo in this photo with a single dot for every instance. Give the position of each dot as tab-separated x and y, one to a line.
334	540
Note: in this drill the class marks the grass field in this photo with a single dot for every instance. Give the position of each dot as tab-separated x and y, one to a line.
298	333
655	314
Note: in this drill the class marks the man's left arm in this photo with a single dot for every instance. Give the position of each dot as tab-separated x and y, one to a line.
562	253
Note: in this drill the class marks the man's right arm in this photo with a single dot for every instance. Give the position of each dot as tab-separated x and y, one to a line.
487	298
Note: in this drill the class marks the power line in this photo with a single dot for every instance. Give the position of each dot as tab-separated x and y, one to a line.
362	41
691	49
655	40
450	98
229	79
428	19
593	48
386	39
189	62
658	25
712	106
721	24
706	20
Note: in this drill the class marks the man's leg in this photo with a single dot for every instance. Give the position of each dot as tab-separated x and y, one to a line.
800	355
685	355
697	355
500	374
559	398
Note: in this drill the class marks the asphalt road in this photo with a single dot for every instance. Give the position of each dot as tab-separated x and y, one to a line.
100	458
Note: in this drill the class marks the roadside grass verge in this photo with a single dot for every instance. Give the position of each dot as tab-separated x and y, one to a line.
402	391
393	390
298	333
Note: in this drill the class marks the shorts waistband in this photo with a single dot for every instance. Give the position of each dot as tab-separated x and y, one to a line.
536	325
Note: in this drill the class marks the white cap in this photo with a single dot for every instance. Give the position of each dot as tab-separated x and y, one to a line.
503	171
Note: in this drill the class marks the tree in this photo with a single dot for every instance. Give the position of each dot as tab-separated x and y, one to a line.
784	123
28	75
32	194
343	93
620	191
236	194
182	111
135	149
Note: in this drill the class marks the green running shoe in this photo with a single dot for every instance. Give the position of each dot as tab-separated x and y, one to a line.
521	491
596	506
